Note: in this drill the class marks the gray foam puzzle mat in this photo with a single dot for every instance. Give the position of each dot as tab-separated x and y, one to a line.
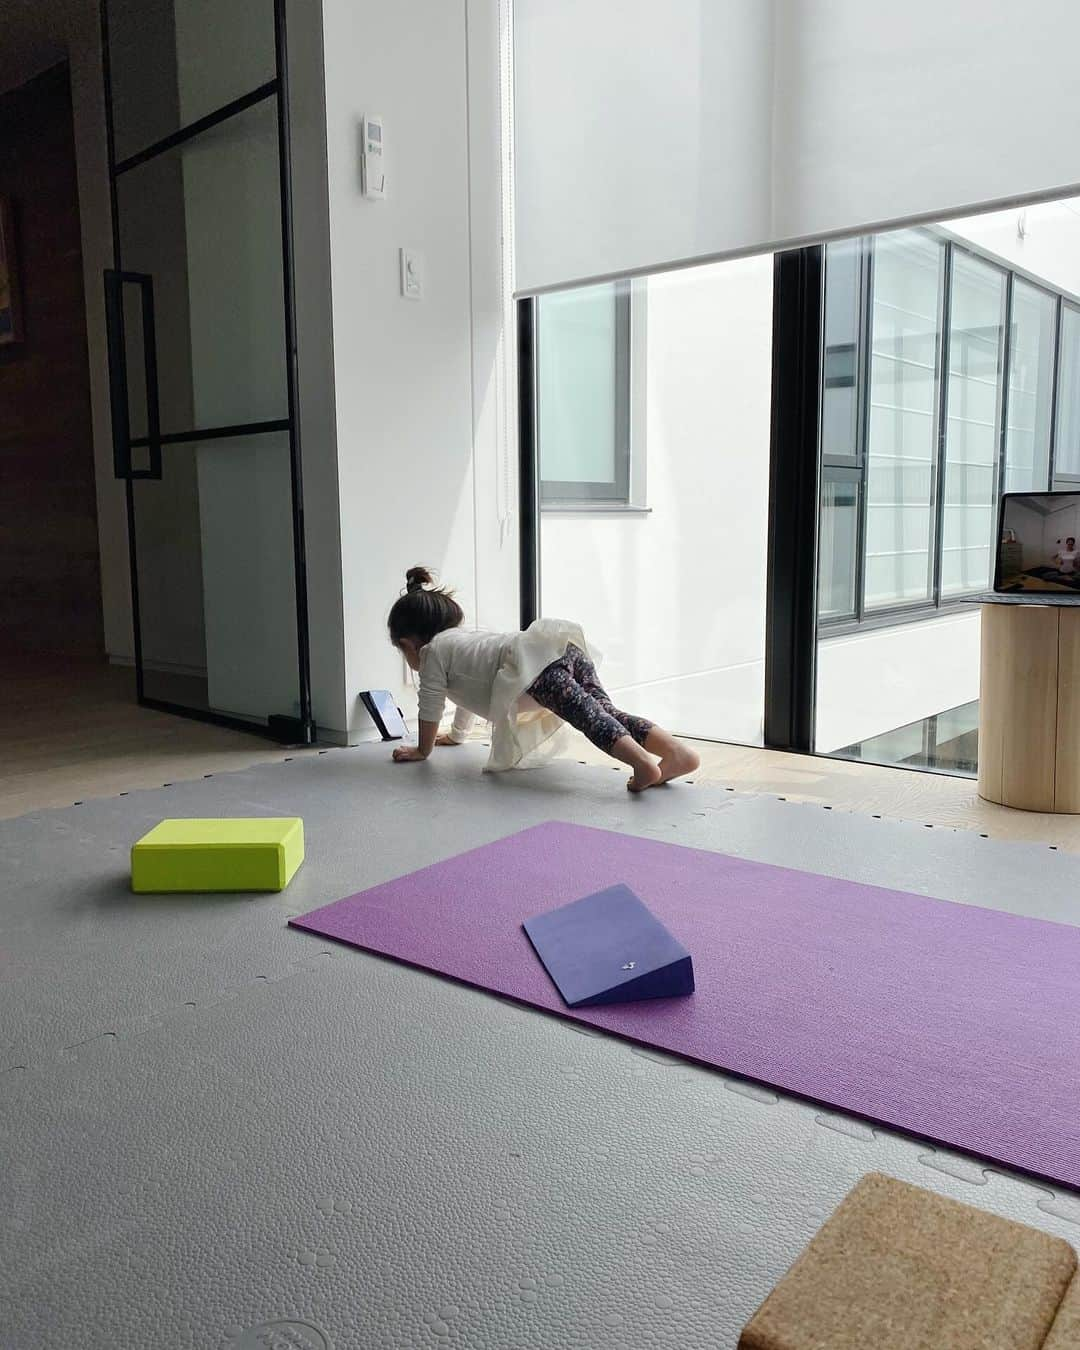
218	1132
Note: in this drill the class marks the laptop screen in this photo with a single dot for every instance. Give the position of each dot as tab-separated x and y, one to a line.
1038	549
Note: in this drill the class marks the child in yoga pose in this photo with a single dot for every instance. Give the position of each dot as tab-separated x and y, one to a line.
525	684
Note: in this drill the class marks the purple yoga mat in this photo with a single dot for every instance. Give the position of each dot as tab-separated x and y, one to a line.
956	1023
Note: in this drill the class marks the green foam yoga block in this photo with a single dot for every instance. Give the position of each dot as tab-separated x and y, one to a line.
218	855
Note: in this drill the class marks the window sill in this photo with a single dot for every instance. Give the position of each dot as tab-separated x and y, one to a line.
593	509
897	618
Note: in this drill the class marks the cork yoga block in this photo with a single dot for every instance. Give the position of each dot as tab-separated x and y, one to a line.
900	1268
1065	1333
218	855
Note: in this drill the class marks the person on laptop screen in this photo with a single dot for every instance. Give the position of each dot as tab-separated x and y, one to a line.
1065	561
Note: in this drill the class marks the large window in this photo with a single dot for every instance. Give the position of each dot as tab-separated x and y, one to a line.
872	398
937	395
902	439
972	424
841	438
1067	436
583	404
1031	383
672	593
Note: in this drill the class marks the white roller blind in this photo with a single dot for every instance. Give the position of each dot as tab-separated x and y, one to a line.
642	132
647	134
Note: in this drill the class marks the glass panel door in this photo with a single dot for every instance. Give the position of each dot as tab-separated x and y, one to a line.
202	385
173	62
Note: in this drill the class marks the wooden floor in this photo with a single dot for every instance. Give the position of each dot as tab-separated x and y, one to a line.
71	731
870	789
74	732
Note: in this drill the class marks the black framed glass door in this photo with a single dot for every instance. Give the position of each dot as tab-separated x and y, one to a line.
202	358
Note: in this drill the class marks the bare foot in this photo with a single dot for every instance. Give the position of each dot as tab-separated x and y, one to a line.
682	760
644	776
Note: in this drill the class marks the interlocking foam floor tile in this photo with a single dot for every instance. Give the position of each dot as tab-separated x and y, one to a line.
387	1159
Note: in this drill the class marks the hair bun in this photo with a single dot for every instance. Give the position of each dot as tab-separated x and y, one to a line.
416	578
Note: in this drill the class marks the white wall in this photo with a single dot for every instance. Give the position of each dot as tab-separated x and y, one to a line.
1030	530
416	405
1042	535
675	599
315	362
1059	525
1043	239
494	354
880	679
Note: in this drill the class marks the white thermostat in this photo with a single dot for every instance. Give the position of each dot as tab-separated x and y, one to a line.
373	157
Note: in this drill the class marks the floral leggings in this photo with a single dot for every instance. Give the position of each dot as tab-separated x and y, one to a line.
569	688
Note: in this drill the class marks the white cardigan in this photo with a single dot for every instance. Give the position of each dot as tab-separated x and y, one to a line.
486	675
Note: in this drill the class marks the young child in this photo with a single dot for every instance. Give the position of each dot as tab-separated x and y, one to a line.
525	684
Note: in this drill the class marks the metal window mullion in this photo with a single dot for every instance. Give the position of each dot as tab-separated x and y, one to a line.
794	500
621	466
864	376
528	355
941	413
237	432
150	377
1055	391
195	129
292	377
1006	352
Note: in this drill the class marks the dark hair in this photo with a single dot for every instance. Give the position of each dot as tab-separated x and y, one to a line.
1070	540
424	610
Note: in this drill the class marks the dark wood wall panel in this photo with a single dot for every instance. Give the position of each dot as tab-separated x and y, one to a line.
50	588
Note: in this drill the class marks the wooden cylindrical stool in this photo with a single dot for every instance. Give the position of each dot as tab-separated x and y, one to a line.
1029	706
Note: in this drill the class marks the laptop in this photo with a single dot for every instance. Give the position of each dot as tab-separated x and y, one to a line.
1038	549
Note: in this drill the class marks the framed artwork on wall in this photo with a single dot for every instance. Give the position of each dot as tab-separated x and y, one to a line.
10	317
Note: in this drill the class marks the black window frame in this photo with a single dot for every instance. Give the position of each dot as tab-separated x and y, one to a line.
1060	302
579	495
850	468
796	473
866	618
1070	480
1001	412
